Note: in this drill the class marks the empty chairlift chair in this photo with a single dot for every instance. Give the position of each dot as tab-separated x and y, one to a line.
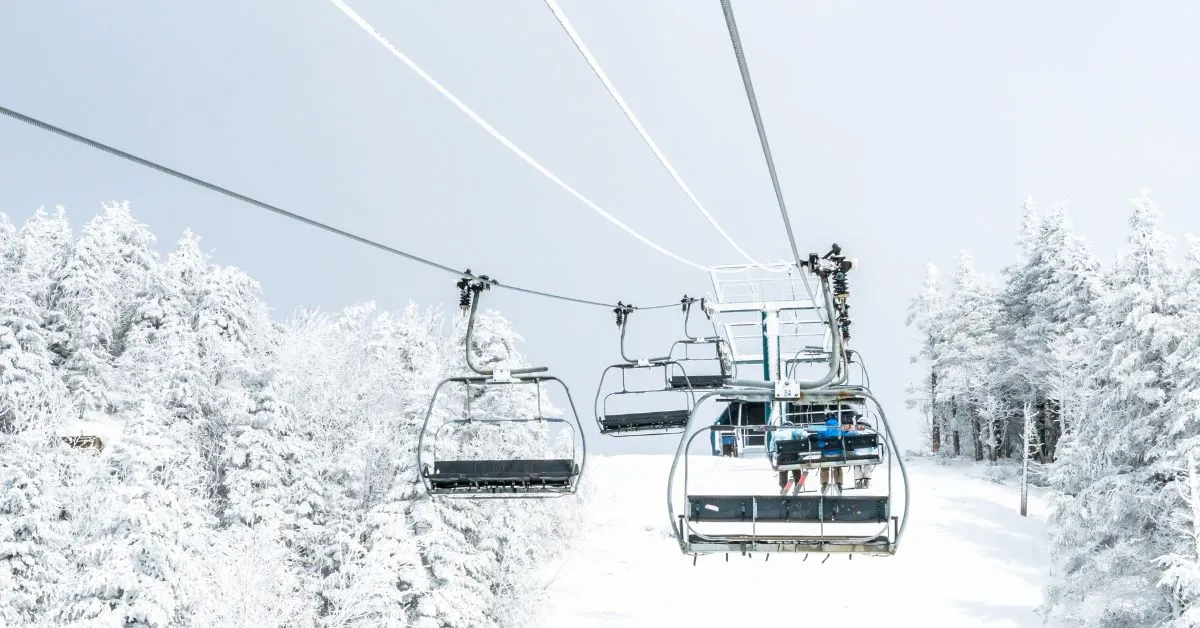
703	363
700	373
483	454
462	464
668	408
664	409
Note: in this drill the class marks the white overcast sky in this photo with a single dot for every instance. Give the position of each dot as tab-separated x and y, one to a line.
905	131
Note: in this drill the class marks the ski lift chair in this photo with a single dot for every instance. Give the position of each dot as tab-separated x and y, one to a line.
525	476
459	475
743	523
661	420
670	419
696	373
695	378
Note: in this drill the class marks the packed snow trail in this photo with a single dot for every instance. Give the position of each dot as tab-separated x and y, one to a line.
967	559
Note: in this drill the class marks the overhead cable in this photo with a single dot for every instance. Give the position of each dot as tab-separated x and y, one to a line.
758	123
612	91
503	140
45	126
731	24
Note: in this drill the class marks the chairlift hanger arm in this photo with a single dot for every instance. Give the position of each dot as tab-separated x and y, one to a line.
623	311
469	292
837	356
705	308
687	316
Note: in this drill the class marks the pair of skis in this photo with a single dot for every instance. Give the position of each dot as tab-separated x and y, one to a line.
793	486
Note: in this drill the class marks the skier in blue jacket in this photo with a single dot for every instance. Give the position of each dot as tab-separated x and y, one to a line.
833	435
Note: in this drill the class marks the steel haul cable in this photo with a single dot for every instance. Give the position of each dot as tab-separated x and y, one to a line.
362	23
612	91
736	40
45	126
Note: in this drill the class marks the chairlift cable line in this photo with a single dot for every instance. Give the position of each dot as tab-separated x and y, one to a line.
736	40
616	96
45	126
362	23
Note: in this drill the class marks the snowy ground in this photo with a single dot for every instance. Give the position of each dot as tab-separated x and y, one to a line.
967	559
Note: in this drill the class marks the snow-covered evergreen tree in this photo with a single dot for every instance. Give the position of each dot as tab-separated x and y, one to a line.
30	389
45	246
249	579
135	564
10	251
1064	303
87	291
1022	279
257	473
1108	360
1106	530
1174	461
32	561
971	342
926	313
259	456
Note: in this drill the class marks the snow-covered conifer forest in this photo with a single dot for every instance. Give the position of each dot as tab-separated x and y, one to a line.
248	472
1103	357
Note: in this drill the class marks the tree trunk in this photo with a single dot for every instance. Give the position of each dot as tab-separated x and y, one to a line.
954	425
1041	413
935	432
1194	498
1026	433
976	429
1054	428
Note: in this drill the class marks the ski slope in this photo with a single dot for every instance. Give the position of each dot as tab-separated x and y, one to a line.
967	558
